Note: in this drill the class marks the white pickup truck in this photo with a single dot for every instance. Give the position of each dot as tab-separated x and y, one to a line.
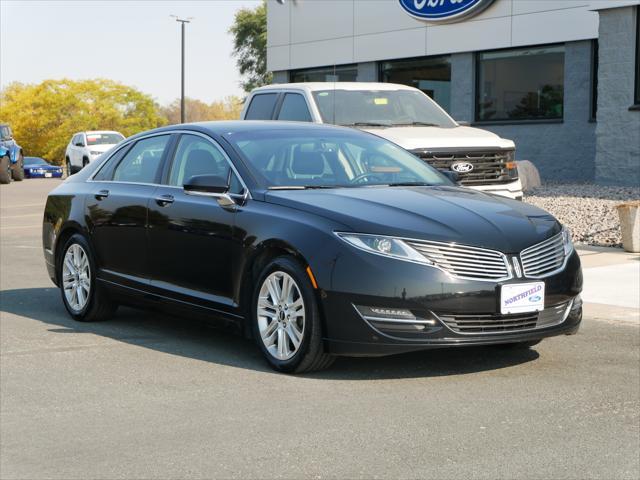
402	114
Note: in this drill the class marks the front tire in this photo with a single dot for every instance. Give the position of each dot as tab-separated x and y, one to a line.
83	297
5	170
17	169
286	320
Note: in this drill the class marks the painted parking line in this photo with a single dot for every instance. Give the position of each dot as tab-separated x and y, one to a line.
21	226
21	216
23	206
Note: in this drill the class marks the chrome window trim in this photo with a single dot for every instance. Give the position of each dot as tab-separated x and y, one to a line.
246	195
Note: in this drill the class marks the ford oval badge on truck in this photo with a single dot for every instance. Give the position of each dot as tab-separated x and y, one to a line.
443	11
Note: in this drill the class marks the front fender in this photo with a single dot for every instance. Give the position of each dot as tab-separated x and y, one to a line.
14	153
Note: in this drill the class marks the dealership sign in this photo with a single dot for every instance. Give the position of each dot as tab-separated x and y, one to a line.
443	11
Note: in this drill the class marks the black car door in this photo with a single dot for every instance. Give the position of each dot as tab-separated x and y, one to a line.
117	209
191	243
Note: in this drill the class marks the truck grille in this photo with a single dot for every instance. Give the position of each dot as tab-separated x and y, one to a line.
496	323
464	261
543	258
489	167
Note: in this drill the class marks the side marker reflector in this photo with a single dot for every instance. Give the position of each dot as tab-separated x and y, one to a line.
312	278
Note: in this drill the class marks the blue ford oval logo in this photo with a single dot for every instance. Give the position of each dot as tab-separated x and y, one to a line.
534	298
443	11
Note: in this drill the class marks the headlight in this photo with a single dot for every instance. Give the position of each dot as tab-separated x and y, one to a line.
510	164
567	243
385	246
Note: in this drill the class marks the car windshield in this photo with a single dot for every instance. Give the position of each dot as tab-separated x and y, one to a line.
34	161
328	158
103	138
382	108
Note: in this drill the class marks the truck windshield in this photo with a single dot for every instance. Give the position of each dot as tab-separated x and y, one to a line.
103	138
381	108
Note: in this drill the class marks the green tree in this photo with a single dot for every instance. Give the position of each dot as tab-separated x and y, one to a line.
249	32
44	116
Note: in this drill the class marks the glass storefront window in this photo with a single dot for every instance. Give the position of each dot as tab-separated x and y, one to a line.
520	84
343	73
432	75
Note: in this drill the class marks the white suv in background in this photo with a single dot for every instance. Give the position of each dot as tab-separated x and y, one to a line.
403	115
84	147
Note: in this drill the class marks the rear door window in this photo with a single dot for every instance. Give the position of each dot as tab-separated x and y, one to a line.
261	106
294	108
141	163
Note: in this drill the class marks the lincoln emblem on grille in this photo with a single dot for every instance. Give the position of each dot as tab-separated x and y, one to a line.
462	167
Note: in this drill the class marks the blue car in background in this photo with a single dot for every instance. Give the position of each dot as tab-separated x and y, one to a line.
35	167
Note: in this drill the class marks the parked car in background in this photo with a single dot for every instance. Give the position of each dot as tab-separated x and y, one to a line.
85	147
36	167
11	157
403	115
315	240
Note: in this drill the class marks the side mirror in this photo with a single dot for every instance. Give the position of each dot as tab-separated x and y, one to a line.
79	144
206	184
451	175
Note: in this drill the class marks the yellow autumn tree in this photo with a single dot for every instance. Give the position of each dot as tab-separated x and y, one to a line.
43	117
198	111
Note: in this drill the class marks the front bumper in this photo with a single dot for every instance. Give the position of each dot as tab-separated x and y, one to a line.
511	190
434	298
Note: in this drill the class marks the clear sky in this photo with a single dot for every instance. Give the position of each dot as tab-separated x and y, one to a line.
136	43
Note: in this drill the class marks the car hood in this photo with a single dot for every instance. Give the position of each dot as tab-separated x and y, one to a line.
449	214
412	138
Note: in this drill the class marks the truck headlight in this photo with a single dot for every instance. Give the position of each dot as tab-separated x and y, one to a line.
510	164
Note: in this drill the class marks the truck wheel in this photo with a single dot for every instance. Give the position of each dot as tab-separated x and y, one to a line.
85	162
5	170
17	169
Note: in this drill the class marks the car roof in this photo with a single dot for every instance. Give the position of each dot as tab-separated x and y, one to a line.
224	127
315	86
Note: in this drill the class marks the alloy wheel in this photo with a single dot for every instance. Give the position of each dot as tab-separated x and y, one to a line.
281	315
76	277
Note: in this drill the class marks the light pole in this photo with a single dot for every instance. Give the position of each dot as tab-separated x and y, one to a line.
182	22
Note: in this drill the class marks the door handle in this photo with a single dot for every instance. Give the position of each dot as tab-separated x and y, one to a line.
164	200
102	194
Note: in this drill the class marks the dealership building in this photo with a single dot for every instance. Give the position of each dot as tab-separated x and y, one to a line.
559	77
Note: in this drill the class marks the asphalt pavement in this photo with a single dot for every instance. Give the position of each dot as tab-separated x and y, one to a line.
150	396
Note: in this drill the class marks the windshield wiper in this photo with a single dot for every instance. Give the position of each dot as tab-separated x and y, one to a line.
301	187
365	124
416	124
409	184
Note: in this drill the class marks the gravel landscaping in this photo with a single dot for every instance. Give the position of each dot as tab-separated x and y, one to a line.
588	210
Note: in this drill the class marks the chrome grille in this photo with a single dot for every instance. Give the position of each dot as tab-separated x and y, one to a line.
464	261
543	258
488	167
496	323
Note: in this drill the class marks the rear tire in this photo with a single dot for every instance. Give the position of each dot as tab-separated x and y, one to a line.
288	330
85	162
84	298
69	167
5	170
17	169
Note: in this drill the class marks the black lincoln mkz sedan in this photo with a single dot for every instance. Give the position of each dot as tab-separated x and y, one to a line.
315	240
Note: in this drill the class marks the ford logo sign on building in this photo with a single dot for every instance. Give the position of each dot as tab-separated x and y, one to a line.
443	11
